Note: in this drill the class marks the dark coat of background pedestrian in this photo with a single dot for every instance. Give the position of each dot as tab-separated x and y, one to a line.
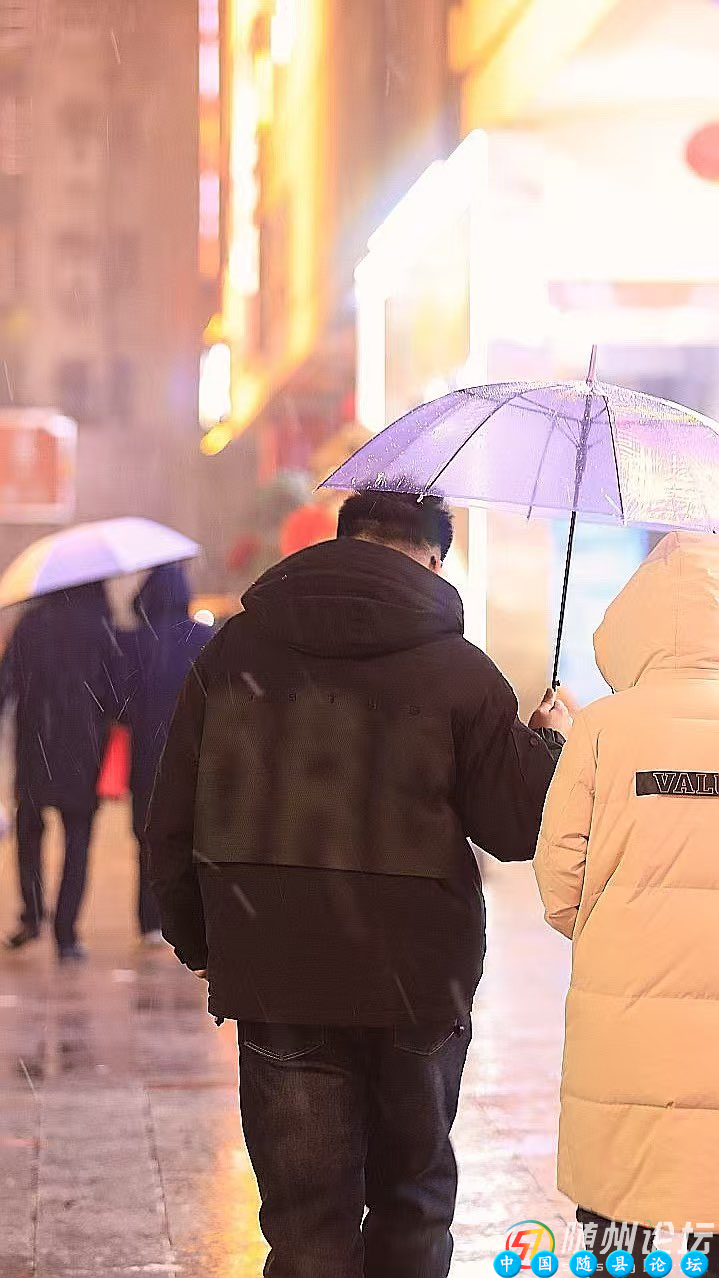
60	669
345	738
156	658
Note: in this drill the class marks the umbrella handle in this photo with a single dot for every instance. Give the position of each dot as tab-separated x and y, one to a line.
563	607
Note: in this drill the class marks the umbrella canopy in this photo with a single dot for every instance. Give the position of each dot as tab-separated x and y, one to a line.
610	454
587	448
92	552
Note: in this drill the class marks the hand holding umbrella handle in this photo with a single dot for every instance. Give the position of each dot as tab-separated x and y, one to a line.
552	715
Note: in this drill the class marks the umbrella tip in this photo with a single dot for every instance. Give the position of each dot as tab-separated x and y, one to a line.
592	366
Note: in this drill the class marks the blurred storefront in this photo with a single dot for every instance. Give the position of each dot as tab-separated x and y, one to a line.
603	231
595	200
419	300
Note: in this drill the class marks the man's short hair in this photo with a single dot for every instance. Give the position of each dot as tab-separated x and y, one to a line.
397	519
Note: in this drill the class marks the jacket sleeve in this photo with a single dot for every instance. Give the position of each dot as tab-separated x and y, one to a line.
8	675
171	825
561	855
504	771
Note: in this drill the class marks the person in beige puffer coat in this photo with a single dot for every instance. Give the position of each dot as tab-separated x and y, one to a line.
628	868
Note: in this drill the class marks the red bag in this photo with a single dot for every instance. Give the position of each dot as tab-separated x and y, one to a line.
114	779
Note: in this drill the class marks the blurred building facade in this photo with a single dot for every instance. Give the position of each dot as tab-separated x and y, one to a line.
333	110
232	190
99	312
330	111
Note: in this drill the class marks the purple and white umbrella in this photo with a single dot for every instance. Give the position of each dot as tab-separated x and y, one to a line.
599	451
92	552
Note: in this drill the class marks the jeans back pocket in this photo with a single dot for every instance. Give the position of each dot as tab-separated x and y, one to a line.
283	1042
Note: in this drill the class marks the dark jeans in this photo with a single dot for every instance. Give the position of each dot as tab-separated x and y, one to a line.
30	832
337	1120
603	1236
148	911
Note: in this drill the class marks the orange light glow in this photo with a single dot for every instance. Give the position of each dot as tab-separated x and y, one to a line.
216	440
210	140
214	331
265	82
288	108
506	50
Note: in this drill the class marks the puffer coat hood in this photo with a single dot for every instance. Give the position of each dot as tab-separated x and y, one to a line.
667	617
353	599
627	867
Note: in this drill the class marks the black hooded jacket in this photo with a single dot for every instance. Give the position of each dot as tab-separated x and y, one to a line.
333	749
60	670
157	658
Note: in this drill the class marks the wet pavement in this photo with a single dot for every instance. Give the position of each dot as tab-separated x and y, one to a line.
120	1145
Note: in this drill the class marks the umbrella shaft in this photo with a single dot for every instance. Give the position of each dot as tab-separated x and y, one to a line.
563	607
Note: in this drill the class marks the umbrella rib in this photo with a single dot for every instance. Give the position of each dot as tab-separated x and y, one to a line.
532	407
369	444
547	442
610	419
528	405
431	482
396	459
470	392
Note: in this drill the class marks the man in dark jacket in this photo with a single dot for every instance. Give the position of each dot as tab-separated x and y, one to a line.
157	658
58	670
333	750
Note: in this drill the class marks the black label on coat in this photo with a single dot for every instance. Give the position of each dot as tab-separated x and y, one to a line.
683	785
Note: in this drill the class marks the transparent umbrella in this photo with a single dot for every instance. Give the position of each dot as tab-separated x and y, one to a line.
593	450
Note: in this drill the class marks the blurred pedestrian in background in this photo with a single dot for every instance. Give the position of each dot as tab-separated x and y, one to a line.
157	657
59	670
627	867
334	747
316	519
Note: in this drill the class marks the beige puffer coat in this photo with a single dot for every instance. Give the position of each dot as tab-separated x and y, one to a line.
628	867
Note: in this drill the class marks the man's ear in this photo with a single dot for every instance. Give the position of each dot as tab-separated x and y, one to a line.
435	564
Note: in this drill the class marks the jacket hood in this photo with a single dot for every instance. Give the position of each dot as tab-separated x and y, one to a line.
353	599
166	593
667	616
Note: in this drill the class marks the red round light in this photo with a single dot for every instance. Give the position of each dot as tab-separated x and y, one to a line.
702	152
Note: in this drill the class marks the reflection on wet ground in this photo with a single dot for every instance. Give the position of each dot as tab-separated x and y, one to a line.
120	1145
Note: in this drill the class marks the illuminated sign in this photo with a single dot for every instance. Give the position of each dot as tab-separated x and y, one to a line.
283	32
215	397
272	207
209	138
244	260
37	466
